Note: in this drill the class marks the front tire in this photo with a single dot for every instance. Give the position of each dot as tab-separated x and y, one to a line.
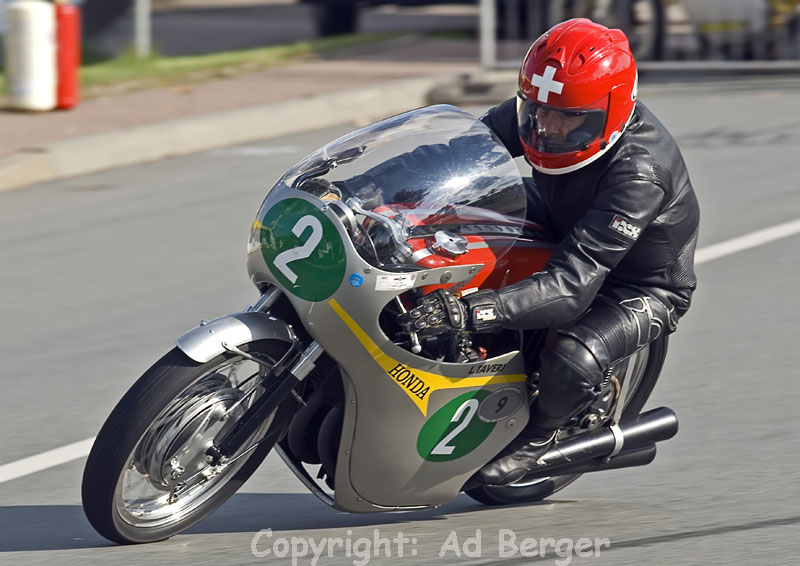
643	21
156	437
97	15
644	372
335	18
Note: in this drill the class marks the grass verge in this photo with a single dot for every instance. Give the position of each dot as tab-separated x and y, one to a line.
129	72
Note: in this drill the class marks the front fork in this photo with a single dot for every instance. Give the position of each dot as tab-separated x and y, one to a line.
281	379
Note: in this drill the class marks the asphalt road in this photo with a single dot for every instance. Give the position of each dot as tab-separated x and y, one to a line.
100	274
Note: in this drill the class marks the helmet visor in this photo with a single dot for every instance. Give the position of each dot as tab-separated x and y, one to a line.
558	130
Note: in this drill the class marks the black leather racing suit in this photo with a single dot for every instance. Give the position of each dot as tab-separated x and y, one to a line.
622	273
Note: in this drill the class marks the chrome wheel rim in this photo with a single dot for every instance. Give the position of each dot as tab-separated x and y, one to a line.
168	476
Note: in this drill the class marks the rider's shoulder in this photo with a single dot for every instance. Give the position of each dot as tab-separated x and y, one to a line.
641	153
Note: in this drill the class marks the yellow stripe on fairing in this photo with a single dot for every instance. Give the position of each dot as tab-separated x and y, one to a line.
433	381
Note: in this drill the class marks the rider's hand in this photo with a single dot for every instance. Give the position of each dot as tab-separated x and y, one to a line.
435	313
441	313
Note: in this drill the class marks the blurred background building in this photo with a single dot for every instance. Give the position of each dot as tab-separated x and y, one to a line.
659	29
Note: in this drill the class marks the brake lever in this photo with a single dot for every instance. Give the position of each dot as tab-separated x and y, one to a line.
416	347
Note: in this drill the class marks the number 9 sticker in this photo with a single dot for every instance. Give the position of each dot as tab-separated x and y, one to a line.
303	249
501	405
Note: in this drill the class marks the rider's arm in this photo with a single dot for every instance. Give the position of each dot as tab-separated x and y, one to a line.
583	259
502	120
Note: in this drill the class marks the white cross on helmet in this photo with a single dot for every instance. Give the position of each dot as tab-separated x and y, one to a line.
546	84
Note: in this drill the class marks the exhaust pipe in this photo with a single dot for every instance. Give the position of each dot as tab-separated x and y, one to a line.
631	443
625	459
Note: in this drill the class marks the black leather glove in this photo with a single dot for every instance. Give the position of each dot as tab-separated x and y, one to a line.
441	313
435	313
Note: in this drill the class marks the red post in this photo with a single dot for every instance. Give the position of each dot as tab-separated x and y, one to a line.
68	40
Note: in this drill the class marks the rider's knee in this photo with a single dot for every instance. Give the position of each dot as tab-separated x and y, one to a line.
568	363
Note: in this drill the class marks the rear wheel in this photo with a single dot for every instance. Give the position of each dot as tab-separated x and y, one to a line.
643	21
147	477
97	15
645	25
641	372
335	18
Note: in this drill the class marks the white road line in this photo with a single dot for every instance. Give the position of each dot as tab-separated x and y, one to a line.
45	460
751	240
77	450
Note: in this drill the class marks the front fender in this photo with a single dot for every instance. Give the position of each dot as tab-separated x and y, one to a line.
207	341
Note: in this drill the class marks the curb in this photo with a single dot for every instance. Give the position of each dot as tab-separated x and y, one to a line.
712	68
733	70
495	86
89	154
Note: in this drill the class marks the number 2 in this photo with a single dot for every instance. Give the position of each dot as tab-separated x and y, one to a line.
303	251
471	407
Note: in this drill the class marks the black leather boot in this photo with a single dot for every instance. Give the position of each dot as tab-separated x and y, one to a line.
514	462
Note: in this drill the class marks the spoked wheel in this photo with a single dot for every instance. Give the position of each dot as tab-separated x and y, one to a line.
97	15
643	21
638	375
148	477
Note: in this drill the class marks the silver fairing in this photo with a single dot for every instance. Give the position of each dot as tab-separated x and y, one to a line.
323	237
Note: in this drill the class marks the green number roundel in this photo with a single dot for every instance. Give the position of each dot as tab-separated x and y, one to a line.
454	430
303	249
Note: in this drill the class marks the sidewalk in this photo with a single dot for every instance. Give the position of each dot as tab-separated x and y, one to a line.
363	85
133	127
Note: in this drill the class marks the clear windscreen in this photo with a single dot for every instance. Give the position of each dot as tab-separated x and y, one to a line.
413	175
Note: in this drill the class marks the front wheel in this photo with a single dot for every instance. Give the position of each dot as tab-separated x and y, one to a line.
148	477
641	372
335	18
643	21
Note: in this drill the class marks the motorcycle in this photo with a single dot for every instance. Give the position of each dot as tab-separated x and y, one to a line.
369	418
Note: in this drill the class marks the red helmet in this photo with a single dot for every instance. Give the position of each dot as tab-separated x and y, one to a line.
577	91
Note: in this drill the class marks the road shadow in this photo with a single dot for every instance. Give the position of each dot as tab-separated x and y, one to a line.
31	528
46	527
65	527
